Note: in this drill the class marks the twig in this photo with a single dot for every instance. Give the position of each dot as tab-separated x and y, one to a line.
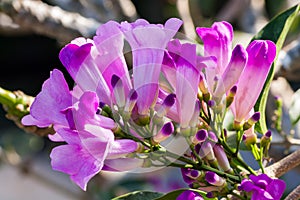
284	165
128	9
295	194
48	20
185	15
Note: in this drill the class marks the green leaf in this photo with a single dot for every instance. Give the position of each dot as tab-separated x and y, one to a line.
294	110
139	195
276	30
174	194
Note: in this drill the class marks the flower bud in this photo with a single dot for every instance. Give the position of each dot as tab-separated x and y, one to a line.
249	137
204	89
164	133
212	136
251	121
207	152
266	139
200	136
214	179
131	101
166	105
222	158
230	96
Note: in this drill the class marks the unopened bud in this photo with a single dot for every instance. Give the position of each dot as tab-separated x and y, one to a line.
200	136
249	137
214	179
230	96
222	158
207	152
204	89
166	105
266	139
164	133
131	101
251	121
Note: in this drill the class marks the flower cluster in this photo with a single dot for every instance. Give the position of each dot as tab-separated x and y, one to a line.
263	187
123	115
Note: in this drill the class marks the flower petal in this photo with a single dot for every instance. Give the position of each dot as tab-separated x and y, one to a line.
233	71
122	147
75	161
122	164
260	57
276	188
217	42
48	104
148	42
109	42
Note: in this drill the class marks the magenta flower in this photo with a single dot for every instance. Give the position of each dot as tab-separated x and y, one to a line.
182	71
189	195
229	65
148	42
263	187
217	42
214	179
261	54
89	142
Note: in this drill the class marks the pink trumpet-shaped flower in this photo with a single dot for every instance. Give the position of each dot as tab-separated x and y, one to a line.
185	78
148	42
261	54
217	42
89	144
229	64
109	41
78	58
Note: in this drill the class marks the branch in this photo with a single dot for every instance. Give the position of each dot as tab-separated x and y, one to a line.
47	20
284	165
185	15
295	194
17	105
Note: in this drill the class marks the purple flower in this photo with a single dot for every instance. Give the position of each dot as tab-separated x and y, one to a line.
214	179
181	69
89	142
262	187
217	42
261	54
189	195
148	42
50	102
230	63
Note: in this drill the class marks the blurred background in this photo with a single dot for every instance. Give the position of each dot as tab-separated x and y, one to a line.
32	32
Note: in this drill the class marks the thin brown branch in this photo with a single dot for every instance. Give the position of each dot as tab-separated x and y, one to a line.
284	165
295	194
128	9
185	15
47	20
